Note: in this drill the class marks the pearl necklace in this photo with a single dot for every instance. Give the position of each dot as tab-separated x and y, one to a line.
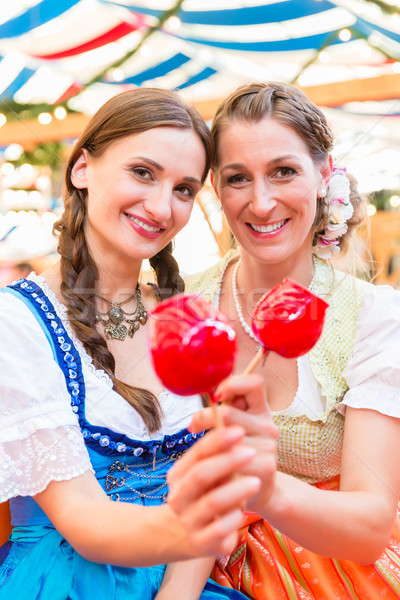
238	308
245	326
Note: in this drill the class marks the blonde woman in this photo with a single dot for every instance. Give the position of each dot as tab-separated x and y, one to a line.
330	528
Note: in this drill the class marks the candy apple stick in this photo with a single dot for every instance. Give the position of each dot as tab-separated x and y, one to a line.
257	358
210	403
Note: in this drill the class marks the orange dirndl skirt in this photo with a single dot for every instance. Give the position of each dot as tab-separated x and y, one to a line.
268	565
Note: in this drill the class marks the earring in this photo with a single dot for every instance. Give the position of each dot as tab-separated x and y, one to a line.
322	193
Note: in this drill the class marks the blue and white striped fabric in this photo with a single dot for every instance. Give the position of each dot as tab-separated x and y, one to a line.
48	48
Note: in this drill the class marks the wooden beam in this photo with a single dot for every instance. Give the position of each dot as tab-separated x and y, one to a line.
31	133
384	87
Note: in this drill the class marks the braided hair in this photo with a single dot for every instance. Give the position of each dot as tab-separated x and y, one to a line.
126	114
287	104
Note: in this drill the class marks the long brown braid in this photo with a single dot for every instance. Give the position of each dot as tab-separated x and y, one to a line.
128	113
169	281
291	107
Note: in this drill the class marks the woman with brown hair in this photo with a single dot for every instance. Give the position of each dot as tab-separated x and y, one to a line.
87	433
330	528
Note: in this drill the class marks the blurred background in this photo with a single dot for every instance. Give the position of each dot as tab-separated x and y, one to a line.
61	59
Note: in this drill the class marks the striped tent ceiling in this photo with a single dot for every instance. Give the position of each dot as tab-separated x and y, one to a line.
88	50
82	52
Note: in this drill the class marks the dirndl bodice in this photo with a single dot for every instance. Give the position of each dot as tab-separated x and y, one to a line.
37	562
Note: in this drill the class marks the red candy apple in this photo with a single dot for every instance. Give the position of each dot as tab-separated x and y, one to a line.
289	319
192	345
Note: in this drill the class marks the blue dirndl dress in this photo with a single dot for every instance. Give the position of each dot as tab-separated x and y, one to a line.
37	563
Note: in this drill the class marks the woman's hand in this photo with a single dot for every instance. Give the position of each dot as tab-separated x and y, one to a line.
244	403
205	497
201	517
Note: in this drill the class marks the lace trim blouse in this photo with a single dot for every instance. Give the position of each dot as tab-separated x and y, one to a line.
41	436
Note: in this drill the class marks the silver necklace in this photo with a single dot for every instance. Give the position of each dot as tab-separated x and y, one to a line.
246	327
112	319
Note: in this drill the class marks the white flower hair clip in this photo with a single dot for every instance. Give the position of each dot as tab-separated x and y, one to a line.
340	211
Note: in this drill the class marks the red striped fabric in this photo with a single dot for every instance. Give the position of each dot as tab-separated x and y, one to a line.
105	38
267	564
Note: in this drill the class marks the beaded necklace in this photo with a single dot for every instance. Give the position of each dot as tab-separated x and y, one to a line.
245	326
112	319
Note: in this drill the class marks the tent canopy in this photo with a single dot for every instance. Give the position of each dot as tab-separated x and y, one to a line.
49	51
82	52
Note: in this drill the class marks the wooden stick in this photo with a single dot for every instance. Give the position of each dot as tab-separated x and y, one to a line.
261	355
216	415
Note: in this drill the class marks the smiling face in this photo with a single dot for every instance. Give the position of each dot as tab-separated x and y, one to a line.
140	192
268	186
